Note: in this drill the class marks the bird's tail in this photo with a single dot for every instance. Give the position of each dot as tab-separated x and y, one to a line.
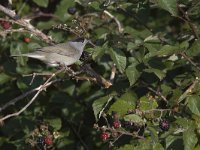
32	55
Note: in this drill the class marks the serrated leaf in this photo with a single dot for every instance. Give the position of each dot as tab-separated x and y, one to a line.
169	5
124	103
98	105
119	58
170	139
133	74
42	3
194	104
189	139
134	118
56	123
97	52
147	104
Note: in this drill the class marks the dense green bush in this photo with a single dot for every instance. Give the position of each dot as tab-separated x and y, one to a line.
149	48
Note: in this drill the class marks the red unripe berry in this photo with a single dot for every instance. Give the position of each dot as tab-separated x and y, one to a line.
117	124
104	135
27	40
6	25
48	140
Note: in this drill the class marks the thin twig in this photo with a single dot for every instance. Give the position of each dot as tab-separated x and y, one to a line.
159	94
78	136
187	19
102	110
188	59
120	28
26	24
38	89
184	95
113	73
20	30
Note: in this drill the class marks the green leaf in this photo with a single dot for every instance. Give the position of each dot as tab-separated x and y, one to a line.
42	3
194	104
147	104
61	9
194	50
134	118
197	147
132	73
119	58
98	105
4	78
158	146
190	139
97	52
95	5
126	102
169	5
126	147
159	73
56	123
154	134
168	50
170	139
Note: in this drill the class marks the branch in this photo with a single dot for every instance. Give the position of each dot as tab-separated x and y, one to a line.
4	32
183	96
158	93
99	79
120	28
187	19
188	59
39	90
26	24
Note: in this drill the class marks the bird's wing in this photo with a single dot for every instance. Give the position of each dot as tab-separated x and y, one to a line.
62	49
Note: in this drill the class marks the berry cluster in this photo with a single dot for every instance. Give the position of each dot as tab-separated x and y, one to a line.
42	137
5	25
116	126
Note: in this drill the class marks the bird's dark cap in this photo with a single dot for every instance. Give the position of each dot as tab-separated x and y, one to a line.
79	40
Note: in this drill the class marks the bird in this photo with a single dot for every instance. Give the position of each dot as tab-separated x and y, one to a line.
62	54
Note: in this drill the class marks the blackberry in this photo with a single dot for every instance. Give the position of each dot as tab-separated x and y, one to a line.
71	10
40	141
164	125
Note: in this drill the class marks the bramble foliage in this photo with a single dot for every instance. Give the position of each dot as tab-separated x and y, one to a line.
154	102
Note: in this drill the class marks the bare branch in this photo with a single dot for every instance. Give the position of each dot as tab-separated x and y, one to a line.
187	20
120	28
189	90
159	94
39	90
26	24
188	59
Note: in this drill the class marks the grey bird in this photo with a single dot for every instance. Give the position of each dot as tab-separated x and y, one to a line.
60	54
